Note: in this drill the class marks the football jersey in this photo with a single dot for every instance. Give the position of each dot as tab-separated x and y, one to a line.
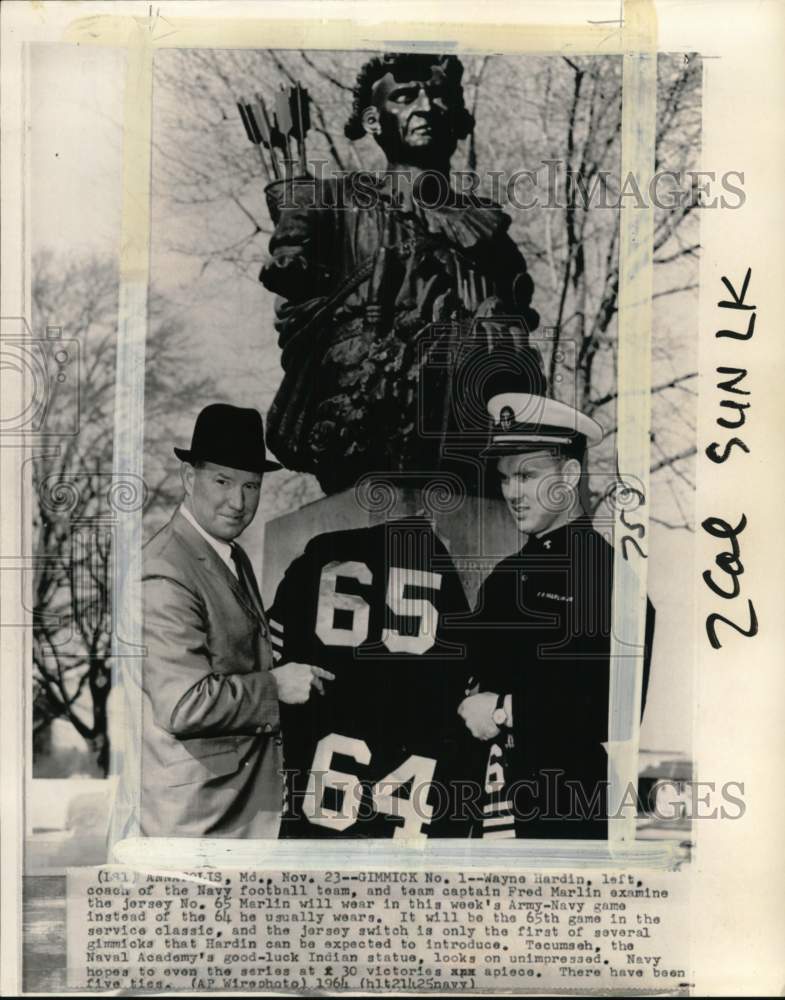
377	754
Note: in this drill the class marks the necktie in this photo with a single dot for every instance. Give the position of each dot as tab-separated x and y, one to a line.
247	584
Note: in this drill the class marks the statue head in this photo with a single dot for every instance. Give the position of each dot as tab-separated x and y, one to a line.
412	104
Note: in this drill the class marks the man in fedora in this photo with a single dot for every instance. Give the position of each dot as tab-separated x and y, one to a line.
541	634
211	756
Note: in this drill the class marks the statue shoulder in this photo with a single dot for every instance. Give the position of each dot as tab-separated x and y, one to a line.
308	193
489	209
479	201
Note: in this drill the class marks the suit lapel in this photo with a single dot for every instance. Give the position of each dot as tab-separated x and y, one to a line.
207	554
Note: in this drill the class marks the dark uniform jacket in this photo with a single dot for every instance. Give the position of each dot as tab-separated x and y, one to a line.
210	751
541	632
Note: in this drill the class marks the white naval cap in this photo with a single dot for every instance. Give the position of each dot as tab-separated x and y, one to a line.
523	421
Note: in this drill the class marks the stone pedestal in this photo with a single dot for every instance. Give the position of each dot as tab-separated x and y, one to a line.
477	531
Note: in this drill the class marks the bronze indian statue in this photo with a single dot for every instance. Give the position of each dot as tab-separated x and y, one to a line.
374	271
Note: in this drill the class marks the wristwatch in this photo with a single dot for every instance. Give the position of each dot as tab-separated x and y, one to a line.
499	714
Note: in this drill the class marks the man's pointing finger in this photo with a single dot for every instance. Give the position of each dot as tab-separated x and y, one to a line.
321	672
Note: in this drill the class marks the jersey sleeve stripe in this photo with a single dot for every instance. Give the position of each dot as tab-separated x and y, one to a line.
498	821
499	834
498	807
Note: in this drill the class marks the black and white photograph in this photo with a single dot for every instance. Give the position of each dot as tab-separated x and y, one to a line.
378	406
435	369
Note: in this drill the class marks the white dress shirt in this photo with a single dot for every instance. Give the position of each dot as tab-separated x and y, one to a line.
224	549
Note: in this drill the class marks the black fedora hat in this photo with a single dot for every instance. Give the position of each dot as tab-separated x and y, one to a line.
230	436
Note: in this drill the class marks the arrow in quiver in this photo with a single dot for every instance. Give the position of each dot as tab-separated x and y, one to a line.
290	119
300	109
258	132
283	119
271	136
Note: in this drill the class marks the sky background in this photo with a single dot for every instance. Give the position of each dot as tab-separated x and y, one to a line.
76	195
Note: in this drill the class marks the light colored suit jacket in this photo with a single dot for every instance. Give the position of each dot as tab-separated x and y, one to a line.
211	756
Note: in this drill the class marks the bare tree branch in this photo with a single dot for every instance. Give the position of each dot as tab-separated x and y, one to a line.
610	396
673	459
